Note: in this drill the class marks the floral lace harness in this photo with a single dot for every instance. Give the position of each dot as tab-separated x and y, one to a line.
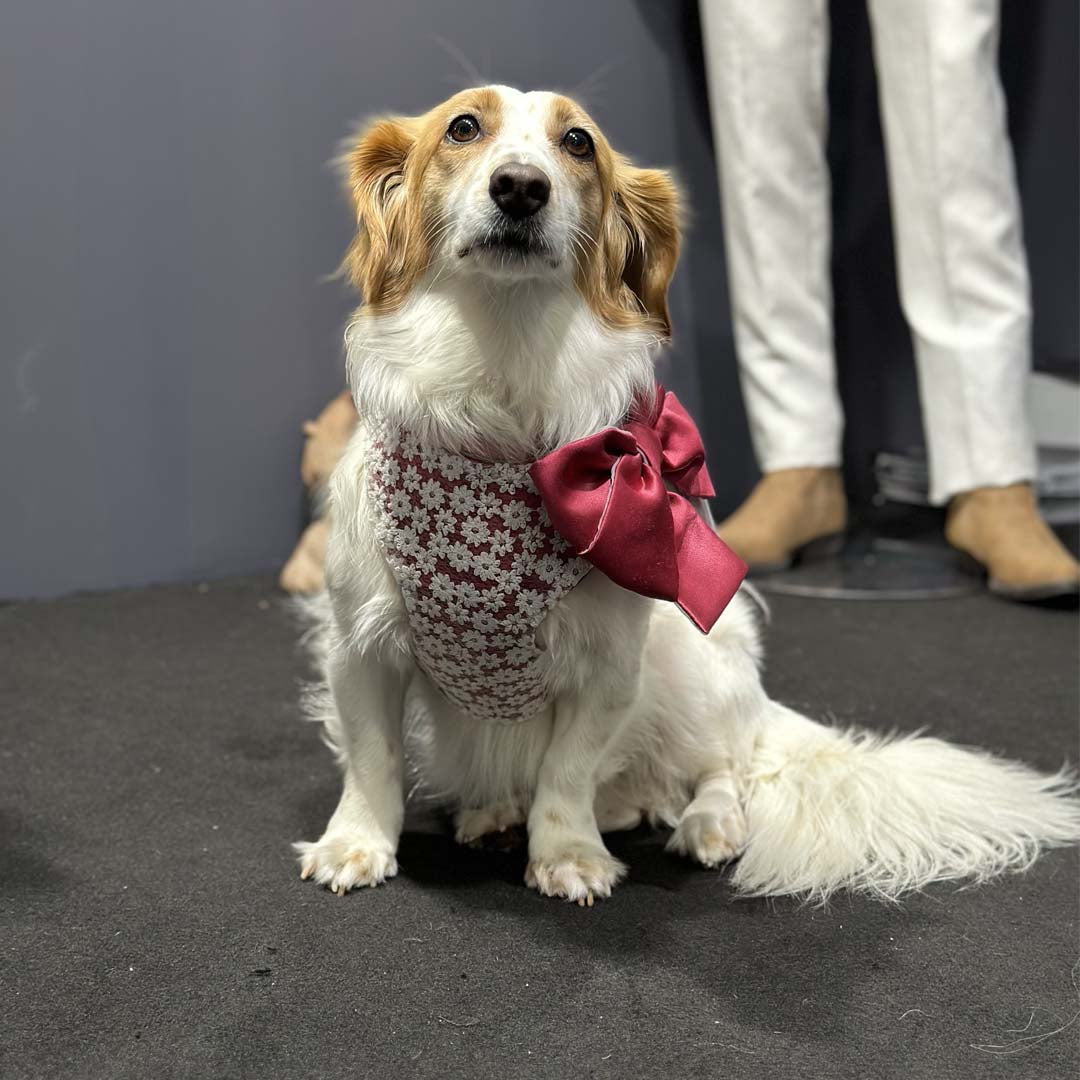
479	566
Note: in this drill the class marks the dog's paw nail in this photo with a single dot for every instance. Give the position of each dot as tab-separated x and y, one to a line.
344	862
708	838
579	874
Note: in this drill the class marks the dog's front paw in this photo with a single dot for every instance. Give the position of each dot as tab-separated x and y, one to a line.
345	862
475	825
709	838
579	870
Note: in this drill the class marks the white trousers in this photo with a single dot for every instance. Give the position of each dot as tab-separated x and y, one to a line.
961	266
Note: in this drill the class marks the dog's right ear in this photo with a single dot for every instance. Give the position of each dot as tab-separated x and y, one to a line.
380	260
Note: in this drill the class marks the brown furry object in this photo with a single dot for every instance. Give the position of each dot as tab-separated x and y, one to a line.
325	440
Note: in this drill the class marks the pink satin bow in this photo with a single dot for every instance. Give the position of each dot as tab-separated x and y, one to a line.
607	495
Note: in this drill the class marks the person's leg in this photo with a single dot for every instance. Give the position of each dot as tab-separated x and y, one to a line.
767	65
963	277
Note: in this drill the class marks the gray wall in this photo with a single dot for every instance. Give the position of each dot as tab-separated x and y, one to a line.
167	225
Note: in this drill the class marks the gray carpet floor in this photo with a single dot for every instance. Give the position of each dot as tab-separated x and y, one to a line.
153	770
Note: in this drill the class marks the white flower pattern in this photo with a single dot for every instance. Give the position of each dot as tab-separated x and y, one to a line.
479	565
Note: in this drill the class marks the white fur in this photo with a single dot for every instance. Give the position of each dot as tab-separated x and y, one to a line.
468	213
649	718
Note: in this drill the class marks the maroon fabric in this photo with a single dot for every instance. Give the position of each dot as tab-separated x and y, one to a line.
608	496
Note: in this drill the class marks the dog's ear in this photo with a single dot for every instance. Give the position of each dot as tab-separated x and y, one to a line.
646	204
382	257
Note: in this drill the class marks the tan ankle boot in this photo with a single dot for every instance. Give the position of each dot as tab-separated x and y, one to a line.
788	510
1001	528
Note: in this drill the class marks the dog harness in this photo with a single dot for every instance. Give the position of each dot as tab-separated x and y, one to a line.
479	566
483	550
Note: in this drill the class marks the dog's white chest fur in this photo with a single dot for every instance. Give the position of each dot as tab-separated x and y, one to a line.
479	566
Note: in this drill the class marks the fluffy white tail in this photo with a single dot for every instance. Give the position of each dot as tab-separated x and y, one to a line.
832	809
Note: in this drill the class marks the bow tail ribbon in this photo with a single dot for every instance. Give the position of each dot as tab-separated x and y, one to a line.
710	573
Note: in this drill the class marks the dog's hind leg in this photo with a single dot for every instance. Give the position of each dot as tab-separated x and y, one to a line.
475	825
712	829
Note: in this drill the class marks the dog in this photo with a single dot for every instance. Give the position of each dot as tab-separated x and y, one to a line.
514	271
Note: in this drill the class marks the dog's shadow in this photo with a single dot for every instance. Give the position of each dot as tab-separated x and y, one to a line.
429	855
433	859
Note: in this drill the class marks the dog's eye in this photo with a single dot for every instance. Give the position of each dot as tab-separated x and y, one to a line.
578	143
464	129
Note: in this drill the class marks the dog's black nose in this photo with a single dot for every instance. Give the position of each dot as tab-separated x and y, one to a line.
519	190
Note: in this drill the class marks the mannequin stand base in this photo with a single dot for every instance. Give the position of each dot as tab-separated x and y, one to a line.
872	567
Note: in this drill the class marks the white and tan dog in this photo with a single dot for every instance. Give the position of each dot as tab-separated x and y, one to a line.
514	270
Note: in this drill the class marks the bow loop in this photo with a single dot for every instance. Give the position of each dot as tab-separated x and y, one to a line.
609	496
683	455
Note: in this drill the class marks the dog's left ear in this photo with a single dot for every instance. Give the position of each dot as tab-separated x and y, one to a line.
647	205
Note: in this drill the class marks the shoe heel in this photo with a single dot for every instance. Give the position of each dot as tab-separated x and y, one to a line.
823	547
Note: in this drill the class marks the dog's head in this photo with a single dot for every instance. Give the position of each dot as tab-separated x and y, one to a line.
512	186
